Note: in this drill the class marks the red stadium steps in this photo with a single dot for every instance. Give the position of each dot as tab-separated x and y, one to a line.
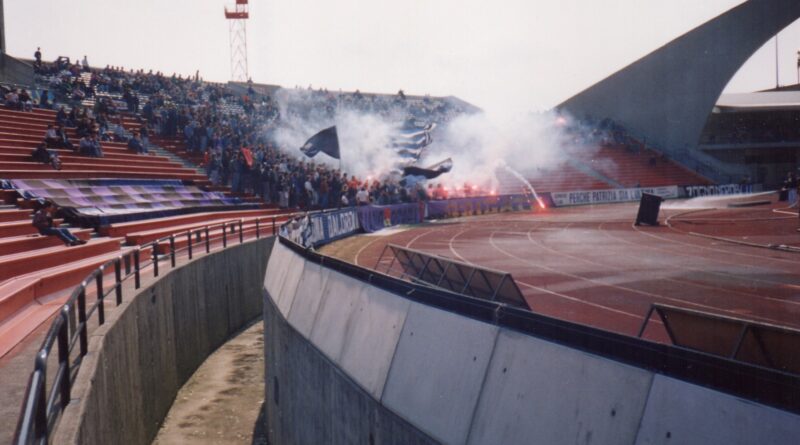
122	229
14	215
21	228
90	174
21	154
28	301
19	244
70	157
98	165
17	264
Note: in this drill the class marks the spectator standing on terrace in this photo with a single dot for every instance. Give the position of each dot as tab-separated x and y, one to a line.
37	58
43	221
44	100
362	197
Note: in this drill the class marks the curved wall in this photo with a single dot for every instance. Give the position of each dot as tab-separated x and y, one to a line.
150	346
347	362
666	96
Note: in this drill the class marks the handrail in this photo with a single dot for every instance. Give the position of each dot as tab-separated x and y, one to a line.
41	408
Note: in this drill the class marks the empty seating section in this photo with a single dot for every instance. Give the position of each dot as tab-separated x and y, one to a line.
562	177
640	167
604	167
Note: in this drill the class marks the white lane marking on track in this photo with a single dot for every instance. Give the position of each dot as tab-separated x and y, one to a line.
541	289
355	260
703	286
607	234
613	286
724	251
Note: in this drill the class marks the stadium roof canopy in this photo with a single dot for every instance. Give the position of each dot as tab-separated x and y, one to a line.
759	101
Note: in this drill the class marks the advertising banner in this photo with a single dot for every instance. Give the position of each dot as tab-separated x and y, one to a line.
453	208
694	191
374	218
319	228
564	199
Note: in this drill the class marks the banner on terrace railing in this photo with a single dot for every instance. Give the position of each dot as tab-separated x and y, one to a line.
693	191
322	227
456	207
563	199
374	218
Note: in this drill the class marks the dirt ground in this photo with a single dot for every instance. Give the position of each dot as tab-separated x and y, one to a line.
221	402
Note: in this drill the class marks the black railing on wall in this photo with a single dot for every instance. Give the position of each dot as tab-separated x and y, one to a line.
69	333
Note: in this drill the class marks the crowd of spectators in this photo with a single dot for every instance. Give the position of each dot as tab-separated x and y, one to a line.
752	127
232	130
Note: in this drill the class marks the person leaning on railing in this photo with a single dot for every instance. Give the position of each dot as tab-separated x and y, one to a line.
43	221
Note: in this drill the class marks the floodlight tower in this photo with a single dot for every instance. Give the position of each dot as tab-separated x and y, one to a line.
238	38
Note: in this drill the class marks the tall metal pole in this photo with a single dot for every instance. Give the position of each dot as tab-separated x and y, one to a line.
238	40
2	28
777	67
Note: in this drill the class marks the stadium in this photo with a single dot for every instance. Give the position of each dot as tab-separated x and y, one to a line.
190	261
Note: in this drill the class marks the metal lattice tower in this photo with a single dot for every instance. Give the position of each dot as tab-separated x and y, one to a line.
238	38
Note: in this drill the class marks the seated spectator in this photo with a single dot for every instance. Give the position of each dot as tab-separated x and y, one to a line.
12	100
51	136
25	101
57	138
118	132
90	146
136	145
45	156
43	221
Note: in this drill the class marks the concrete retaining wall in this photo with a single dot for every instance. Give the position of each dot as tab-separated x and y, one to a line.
153	343
350	363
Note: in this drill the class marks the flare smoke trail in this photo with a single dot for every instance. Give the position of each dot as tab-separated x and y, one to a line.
527	183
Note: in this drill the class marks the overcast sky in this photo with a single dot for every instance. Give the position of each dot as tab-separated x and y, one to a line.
515	55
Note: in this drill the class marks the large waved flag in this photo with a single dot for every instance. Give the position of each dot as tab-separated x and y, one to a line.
429	172
326	141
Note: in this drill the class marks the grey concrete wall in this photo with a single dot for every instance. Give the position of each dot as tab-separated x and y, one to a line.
666	96
15	71
153	343
350	363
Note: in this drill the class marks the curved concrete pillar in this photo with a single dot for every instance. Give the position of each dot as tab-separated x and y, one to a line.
666	96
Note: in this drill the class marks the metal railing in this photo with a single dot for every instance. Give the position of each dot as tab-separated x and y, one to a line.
70	329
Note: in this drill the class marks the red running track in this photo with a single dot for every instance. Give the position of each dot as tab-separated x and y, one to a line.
590	265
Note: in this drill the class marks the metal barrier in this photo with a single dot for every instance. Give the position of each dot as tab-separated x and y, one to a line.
739	339
452	275
42	407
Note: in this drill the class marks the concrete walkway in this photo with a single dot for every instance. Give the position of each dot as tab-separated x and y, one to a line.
222	400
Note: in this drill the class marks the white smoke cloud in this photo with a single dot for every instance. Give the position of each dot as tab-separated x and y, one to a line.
363	136
533	144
